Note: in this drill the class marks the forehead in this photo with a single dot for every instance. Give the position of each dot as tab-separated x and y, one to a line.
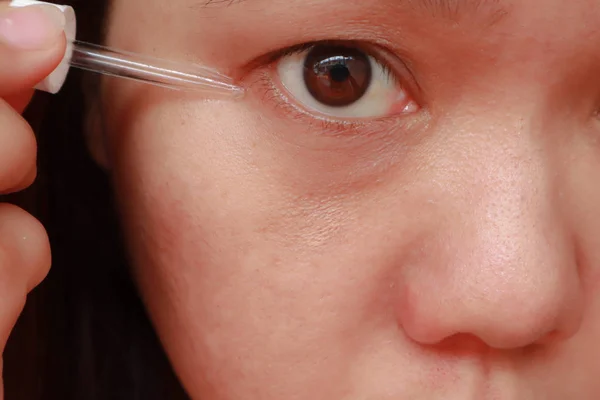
242	29
207	12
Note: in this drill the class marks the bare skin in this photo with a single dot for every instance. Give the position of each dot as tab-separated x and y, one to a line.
445	248
446	253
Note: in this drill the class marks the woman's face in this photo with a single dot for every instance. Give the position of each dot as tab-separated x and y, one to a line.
444	245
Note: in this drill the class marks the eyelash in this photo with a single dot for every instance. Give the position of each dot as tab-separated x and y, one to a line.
301	48
275	95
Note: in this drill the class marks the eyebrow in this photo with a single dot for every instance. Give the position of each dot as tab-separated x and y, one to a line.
455	9
207	3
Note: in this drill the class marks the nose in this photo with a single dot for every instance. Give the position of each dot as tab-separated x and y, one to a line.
498	262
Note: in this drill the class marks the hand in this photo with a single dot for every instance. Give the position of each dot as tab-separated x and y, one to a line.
32	44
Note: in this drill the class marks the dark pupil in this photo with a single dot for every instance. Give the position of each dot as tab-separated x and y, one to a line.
337	76
339	73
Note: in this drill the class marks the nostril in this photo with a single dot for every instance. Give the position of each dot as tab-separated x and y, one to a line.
549	338
462	344
454	324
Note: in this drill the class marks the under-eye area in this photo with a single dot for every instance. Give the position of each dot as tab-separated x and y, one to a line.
403	204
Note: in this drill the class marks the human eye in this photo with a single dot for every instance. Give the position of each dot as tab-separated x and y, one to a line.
342	81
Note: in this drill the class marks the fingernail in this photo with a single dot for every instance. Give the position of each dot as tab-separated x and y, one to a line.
31	27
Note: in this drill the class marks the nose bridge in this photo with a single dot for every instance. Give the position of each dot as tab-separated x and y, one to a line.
503	269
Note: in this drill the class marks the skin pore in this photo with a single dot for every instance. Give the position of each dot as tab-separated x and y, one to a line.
448	250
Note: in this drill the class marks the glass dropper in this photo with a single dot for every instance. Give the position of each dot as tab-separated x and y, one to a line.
151	70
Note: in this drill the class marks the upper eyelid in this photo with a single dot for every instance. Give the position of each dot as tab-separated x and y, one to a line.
367	48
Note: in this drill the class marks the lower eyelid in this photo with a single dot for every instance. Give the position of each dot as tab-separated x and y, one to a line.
398	109
269	94
276	95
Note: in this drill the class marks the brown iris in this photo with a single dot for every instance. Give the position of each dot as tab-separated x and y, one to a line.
337	76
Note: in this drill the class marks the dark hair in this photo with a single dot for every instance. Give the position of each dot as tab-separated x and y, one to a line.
84	333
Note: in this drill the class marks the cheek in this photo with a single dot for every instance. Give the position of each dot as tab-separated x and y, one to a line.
234	264
257	257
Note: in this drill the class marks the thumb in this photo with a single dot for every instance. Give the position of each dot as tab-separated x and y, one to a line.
32	44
